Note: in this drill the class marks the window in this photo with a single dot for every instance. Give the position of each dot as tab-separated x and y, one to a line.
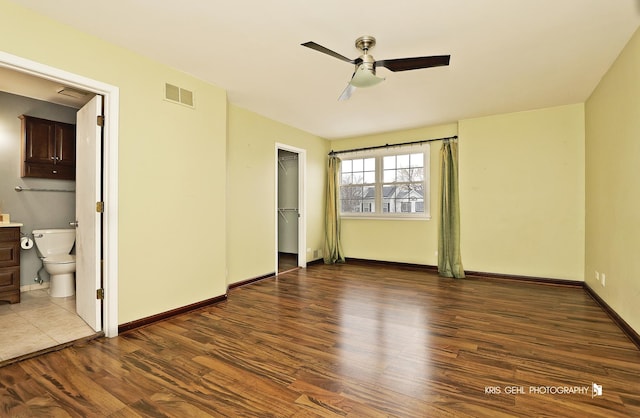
392	183
357	185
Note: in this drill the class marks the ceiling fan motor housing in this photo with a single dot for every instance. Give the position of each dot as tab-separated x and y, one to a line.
365	74
364	43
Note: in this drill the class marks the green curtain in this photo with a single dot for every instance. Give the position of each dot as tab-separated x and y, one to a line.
332	247
449	258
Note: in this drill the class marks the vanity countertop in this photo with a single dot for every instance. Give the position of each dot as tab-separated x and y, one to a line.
10	224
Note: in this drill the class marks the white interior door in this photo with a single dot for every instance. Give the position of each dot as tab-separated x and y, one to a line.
88	220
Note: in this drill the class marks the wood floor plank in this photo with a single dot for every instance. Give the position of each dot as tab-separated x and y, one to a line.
167	404
41	406
331	402
349	340
74	390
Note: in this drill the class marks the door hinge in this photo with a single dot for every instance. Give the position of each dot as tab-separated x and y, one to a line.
100	294
100	120
100	207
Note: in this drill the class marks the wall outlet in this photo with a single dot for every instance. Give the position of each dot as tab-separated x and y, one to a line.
602	281
597	276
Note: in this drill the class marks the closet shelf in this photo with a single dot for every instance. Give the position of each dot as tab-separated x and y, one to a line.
281	159
284	211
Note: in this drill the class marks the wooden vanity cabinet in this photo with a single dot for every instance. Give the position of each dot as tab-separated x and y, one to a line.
48	149
10	264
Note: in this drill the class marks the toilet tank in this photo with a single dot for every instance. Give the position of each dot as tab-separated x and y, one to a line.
54	241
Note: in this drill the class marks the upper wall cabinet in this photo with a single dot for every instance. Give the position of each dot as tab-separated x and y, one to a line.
48	149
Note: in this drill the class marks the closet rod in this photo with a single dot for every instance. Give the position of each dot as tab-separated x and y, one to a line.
392	145
35	189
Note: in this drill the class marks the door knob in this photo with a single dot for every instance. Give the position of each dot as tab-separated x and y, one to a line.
73	224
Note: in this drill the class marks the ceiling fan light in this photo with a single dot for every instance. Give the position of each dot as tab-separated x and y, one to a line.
365	77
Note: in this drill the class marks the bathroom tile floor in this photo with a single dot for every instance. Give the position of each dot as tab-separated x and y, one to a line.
39	322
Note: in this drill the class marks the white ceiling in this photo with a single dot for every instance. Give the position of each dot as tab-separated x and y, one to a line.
27	85
506	55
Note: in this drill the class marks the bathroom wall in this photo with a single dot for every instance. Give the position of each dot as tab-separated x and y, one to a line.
36	210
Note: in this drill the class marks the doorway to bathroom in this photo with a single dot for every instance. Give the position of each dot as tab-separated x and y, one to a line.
290	208
96	243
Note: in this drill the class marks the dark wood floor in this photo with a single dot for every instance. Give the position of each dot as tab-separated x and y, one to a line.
349	341
287	261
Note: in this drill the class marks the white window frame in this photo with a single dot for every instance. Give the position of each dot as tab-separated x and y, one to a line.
379	154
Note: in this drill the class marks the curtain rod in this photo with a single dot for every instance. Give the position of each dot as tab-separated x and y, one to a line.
392	145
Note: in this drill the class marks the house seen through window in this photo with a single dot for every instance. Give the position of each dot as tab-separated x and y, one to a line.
392	183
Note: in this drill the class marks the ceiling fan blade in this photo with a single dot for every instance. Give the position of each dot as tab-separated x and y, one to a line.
348	91
405	64
327	51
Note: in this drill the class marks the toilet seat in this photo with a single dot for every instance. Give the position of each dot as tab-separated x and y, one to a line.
60	259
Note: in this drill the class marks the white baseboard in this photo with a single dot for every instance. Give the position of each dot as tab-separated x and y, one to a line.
36	286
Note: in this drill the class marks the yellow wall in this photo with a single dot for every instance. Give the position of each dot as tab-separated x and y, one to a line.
405	241
522	193
612	186
251	191
171	165
521	196
197	187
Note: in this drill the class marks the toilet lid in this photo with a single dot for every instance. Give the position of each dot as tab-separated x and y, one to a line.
60	259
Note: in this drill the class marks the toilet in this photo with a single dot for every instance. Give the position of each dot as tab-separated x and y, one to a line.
54	246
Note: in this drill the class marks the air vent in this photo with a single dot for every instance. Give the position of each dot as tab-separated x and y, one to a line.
178	95
71	92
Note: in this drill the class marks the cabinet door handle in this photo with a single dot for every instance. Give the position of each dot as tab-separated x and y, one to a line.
55	171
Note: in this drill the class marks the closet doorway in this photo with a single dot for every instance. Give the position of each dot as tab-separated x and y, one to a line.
290	220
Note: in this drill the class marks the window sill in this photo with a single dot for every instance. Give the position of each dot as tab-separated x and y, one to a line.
388	218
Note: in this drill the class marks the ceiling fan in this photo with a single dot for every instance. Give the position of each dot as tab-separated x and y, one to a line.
365	72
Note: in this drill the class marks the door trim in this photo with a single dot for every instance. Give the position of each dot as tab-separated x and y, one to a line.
111	96
302	203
